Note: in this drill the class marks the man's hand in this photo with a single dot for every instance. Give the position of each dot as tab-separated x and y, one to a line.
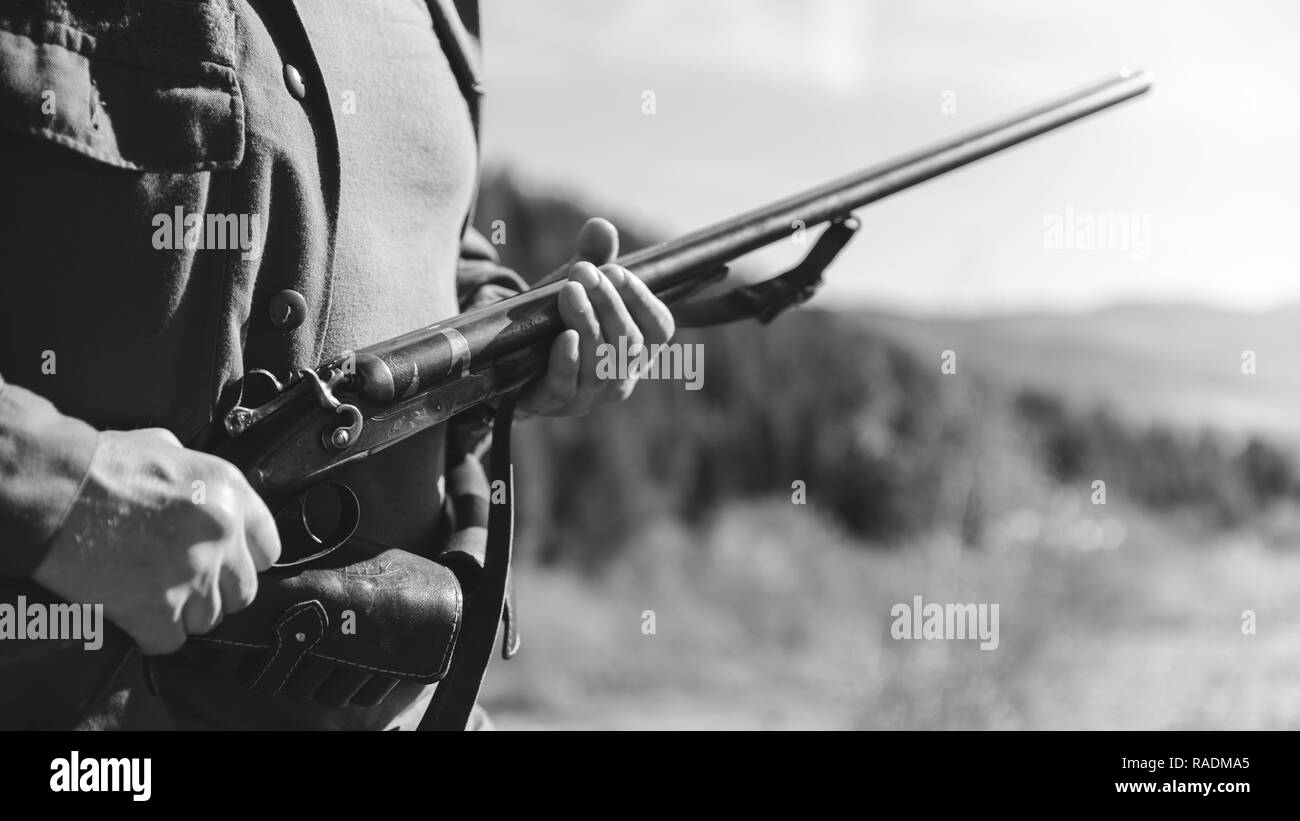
167	539
600	303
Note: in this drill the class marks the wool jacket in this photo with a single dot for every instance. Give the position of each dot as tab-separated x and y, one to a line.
112	113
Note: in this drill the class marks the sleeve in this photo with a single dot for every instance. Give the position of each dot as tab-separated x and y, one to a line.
480	276
44	457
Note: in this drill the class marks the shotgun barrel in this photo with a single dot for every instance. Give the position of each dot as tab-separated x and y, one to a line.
405	365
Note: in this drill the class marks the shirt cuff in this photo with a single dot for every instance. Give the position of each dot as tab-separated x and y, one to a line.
44	457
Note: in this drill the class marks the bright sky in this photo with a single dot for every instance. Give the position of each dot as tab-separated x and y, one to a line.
757	99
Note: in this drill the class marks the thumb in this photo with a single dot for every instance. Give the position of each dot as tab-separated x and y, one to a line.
597	243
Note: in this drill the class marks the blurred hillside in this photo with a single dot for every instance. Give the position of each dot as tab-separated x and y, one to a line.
975	486
1168	363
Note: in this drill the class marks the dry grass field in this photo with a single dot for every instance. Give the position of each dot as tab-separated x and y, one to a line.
768	620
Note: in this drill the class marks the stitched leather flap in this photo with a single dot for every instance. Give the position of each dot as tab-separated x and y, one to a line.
123	92
397	614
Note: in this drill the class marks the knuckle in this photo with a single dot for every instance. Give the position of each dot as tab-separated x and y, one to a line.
162	433
223	515
606	288
583	312
198	532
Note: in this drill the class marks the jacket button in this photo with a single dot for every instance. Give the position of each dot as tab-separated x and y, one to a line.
288	310
293	79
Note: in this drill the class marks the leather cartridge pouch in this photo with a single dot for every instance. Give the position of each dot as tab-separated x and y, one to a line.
339	633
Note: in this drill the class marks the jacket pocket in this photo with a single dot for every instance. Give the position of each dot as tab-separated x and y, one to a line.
147	90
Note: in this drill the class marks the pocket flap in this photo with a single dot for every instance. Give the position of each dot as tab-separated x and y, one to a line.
122	104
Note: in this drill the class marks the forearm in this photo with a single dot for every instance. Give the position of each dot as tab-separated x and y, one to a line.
44	456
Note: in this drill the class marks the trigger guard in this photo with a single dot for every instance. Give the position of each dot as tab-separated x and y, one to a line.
349	518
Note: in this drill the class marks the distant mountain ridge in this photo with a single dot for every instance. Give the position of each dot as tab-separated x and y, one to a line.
1179	363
